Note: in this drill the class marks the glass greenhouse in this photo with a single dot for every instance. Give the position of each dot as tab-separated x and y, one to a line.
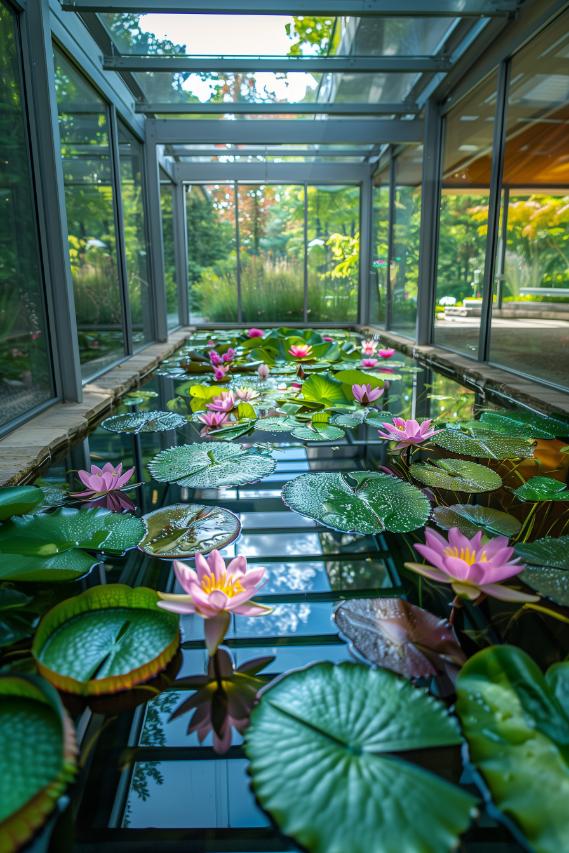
284	435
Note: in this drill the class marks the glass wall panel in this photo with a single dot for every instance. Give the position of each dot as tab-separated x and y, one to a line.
87	168
380	251
404	270
168	240
467	165
333	253
530	316
271	256
135	241
25	364
212	254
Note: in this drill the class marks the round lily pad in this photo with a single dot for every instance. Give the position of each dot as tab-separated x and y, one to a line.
549	582
136	422
37	756
318	432
528	424
549	551
358	502
469	518
19	500
105	640
183	530
485	445
339	780
542	489
208	466
456	475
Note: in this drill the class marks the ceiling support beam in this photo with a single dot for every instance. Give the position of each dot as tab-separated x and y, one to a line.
288	173
277	151
278	64
271	108
287	131
388	8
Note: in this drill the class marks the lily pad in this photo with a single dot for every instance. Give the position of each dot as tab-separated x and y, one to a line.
350	420
358	502
107	639
358	377
323	389
276	424
542	489
137	398
516	722
484	445
549	582
17	616
19	500
469	518
549	551
55	532
456	475
528	424
339	779
318	432
37	756
207	466
32	568
397	635
183	530
137	422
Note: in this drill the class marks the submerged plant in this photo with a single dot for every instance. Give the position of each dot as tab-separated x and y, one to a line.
103	481
473	567
365	394
214	591
407	433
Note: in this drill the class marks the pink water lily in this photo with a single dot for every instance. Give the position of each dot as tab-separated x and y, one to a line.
219	373
255	333
215	358
224	403
473	567
301	350
213	420
369	347
369	362
365	394
246	394
263	371
229	355
386	353
214	592
328	339
408	433
101	481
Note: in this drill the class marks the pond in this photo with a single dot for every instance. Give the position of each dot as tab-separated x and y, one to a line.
442	728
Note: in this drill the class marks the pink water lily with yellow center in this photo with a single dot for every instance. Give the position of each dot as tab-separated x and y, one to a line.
229	355
101	481
255	333
369	362
386	353
220	373
224	403
365	394
246	394
473	567
213	420
301	350
214	591
369	347
407	433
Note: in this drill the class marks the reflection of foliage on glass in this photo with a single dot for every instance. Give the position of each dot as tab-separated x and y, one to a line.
405	262
167	216
462	243
380	252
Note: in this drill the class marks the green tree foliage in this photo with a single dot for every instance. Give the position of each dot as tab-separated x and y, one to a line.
310	31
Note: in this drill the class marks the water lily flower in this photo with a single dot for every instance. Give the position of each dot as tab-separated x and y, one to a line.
365	394
255	333
263	371
369	362
101	481
408	432
213	420
301	350
386	353
210	343
229	355
369	347
328	339
224	403
473	567
246	394
219	373
214	592
215	358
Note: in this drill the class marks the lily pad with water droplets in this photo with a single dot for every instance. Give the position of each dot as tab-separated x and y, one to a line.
456	475
549	551
549	582
469	518
276	424
137	422
486	445
538	489
527	424
358	502
19	500
397	635
208	466
183	530
318	432
340	779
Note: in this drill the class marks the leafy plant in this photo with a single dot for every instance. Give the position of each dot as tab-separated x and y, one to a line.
472	517
182	530
137	422
201	466
456	475
538	489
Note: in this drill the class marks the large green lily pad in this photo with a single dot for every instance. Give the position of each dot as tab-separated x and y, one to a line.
323	389
527	424
183	530
137	422
339	780
37	756
456	475
318	432
549	551
358	501
206	466
542	489
32	568
516	722
484	445
469	518
549	582
105	640
19	500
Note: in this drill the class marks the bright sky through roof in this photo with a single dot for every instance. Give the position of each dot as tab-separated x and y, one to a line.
228	35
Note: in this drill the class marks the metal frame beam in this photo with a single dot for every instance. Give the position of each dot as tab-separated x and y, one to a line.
287	173
156	246
428	234
181	252
119	228
276	151
278	64
291	131
360	8
293	108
